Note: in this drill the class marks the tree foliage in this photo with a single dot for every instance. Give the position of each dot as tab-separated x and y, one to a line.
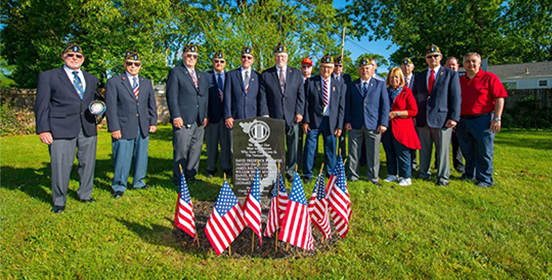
505	31
35	31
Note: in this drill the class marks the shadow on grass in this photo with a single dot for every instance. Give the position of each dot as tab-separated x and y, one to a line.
530	139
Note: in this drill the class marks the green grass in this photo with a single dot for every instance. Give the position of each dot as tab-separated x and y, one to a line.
420	232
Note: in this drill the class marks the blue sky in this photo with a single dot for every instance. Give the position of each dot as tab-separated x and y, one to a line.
358	47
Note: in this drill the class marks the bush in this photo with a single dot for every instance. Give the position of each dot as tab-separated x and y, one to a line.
16	122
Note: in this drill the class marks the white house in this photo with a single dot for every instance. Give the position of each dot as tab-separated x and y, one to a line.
534	75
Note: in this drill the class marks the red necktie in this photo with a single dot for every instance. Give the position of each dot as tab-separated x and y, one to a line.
430	82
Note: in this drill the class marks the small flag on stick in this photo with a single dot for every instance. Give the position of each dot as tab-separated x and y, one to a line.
252	207
278	205
318	206
339	201
184	218
296	227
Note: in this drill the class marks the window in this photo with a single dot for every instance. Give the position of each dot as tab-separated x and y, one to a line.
543	83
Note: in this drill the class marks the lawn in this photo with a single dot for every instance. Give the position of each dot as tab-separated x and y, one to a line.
420	232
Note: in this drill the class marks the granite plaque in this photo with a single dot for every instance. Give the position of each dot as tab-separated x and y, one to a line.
257	140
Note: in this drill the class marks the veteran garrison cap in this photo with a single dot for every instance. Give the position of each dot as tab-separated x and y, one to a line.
407	61
363	62
191	47
280	48
132	55
219	54
433	48
327	59
72	47
339	60
306	61
247	50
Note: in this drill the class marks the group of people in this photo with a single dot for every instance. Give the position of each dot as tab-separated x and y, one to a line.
405	113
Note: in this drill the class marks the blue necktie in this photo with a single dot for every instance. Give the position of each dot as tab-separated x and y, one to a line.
219	82
365	89
78	84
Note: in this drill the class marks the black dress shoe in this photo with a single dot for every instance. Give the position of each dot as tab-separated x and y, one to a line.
442	184
145	187
58	209
307	180
117	194
377	184
90	200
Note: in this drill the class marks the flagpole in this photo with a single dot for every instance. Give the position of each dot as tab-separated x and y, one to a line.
229	246
196	234
277	206
318	186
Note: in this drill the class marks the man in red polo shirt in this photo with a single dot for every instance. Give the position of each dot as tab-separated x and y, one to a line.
482	104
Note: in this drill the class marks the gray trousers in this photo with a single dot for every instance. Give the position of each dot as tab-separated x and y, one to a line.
187	144
62	156
441	138
292	144
372	141
216	133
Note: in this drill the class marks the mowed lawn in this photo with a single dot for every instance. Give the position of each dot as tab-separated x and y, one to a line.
419	232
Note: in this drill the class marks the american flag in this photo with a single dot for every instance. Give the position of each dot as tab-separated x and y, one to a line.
252	207
278	205
318	207
339	201
296	227
184	214
226	222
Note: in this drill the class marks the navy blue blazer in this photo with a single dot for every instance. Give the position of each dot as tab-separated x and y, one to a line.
411	82
283	105
371	110
59	108
216	107
237	103
123	112
444	101
183	99
315	103
345	78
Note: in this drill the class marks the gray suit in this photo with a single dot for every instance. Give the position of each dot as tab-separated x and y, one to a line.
60	110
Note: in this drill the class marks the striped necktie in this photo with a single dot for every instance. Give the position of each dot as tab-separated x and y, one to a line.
364	89
220	85
282	80
325	92
78	84
136	88
194	78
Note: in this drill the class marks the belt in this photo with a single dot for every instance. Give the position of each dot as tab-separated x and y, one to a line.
469	117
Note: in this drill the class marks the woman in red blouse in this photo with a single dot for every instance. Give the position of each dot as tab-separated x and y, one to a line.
400	136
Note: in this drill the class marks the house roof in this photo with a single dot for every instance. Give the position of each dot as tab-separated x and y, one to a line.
522	70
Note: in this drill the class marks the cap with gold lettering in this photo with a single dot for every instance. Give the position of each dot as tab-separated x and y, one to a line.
407	61
132	55
433	49
219	54
327	59
247	50
339	60
363	62
72	47
280	48
191	47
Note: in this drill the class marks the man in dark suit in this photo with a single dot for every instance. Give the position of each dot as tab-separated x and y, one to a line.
216	132
437	92
325	110
407	66
282	88
457	157
345	79
366	118
187	98
131	117
64	123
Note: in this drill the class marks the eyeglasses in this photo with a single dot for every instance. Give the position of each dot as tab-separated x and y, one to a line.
247	57
79	56
432	55
339	65
137	64
220	61
191	55
305	66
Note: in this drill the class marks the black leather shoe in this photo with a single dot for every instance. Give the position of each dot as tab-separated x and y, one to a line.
307	180
377	184
145	187
117	194
442	184
58	209
90	200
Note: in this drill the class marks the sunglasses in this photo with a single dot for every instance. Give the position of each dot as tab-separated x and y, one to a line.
306	66
137	64
338	65
247	57
220	61
191	55
75	55
432	55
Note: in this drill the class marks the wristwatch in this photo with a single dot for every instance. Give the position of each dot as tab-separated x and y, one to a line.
497	119
398	113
